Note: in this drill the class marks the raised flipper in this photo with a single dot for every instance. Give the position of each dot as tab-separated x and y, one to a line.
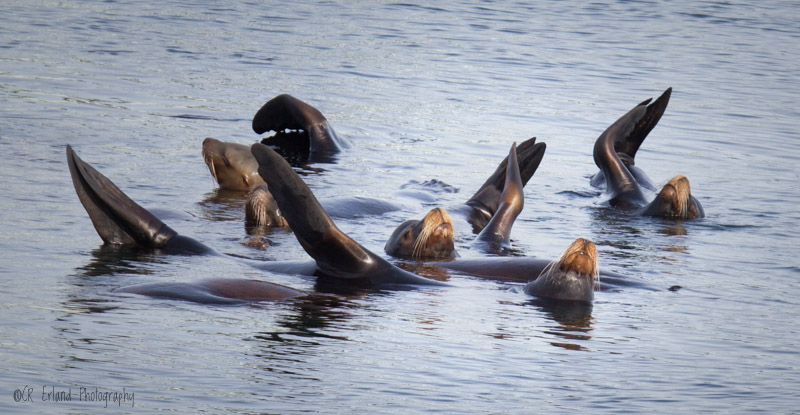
620	183
630	143
118	219
336	254
489	196
299	127
626	145
497	232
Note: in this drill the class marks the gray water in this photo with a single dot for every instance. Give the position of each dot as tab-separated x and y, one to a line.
435	91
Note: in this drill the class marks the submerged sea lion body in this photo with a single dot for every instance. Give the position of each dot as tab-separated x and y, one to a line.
216	291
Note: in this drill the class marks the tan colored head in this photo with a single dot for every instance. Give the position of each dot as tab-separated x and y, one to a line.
675	201
231	164
432	237
573	276
580	257
262	210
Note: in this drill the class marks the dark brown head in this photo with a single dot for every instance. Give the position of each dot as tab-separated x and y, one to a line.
675	201
430	238
571	277
231	164
262	210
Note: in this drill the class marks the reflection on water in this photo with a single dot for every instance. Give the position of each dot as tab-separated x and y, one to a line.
574	321
110	260
224	205
427	270
309	319
630	237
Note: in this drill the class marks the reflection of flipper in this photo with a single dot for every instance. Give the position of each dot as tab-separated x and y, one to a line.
118	219
336	254
285	115
490	195
497	232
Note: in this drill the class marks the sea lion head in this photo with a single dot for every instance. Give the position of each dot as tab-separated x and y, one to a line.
262	210
572	276
431	237
675	201
231	164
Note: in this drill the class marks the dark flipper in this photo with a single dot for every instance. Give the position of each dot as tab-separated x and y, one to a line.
620	183
629	144
497	232
286	112
336	254
118	219
490	195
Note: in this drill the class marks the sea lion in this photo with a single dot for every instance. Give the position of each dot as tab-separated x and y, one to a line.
338	259
627	145
571	277
673	201
231	164
299	127
432	237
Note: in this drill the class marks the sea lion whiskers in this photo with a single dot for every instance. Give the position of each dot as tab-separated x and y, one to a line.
261	210
682	191
209	163
431	222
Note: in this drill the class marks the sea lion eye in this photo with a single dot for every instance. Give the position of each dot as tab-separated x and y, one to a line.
407	234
